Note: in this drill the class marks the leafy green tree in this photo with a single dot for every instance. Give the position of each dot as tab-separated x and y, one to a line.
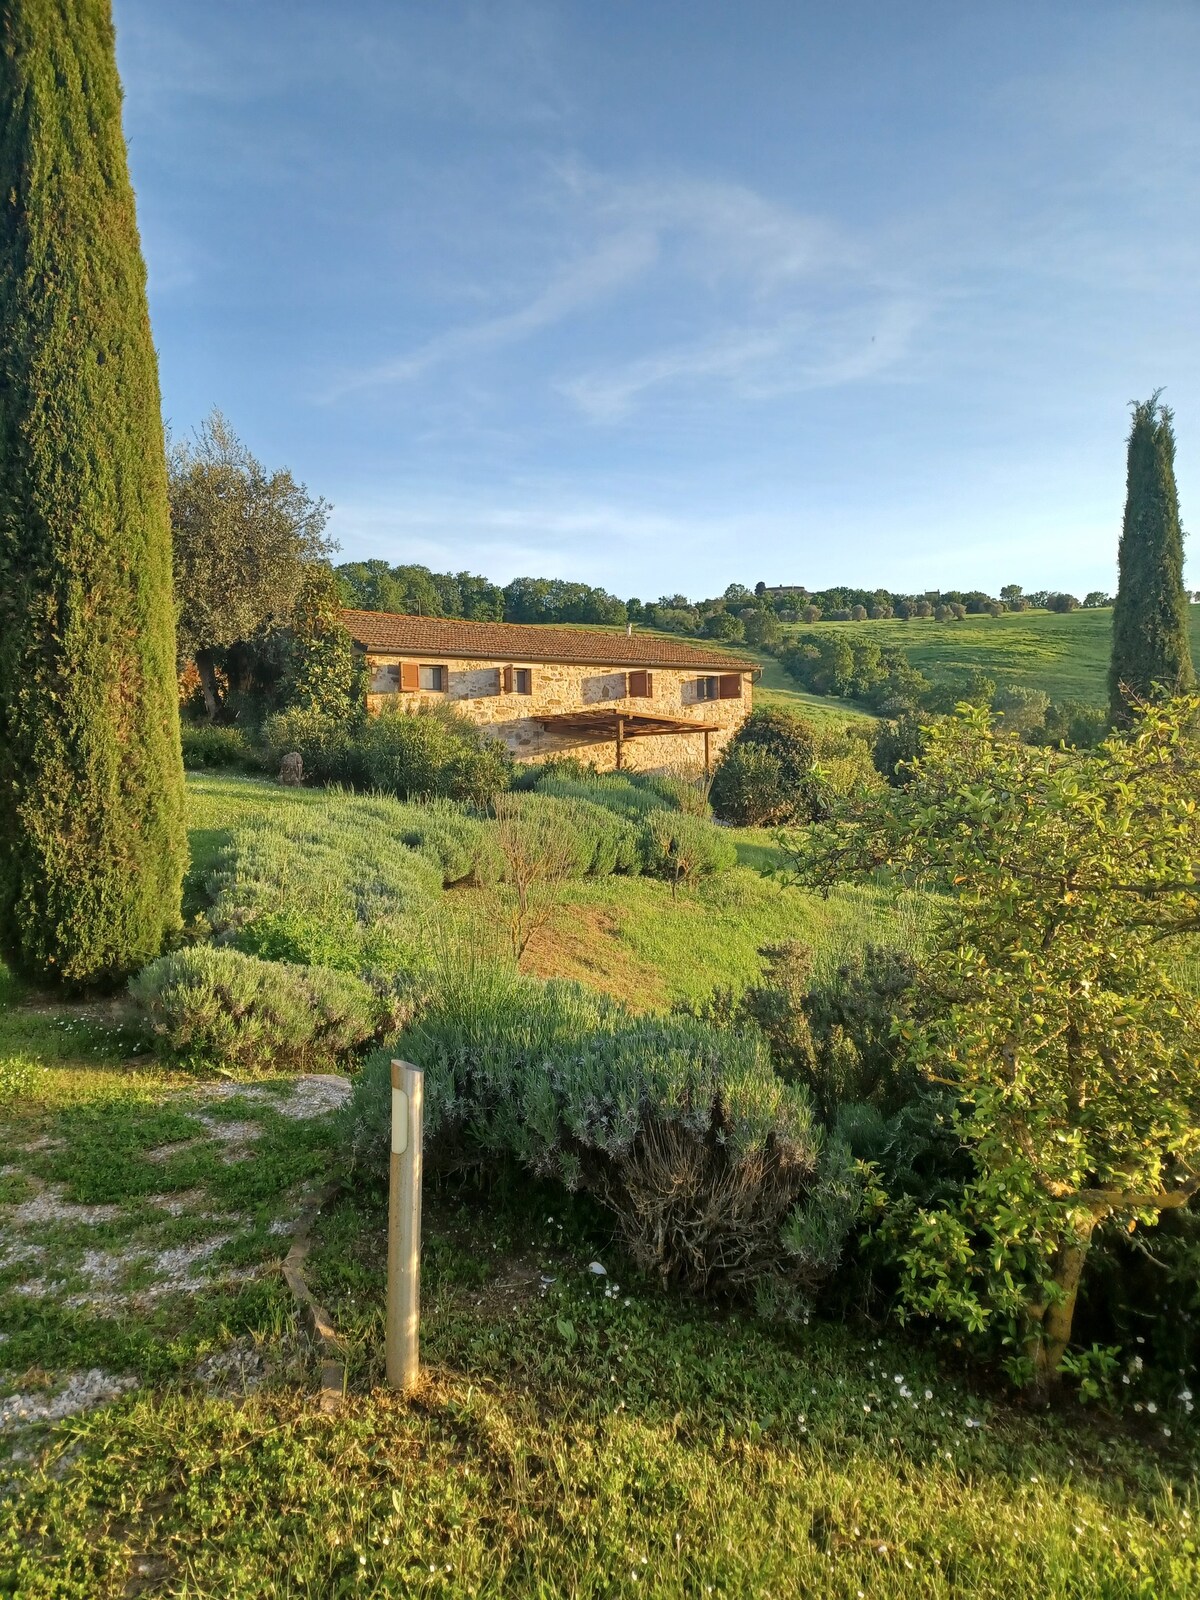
1071	1049
1021	710
244	539
897	745
319	665
769	773
724	625
762	628
1150	620
92	844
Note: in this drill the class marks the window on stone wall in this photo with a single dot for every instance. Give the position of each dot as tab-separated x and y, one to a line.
432	678
708	688
517	680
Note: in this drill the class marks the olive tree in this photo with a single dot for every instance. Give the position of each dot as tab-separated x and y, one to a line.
1067	881
243	540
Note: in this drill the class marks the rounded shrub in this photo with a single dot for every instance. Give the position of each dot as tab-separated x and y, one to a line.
602	841
715	1170
430	753
753	792
214	1007
615	790
748	788
683	848
325	742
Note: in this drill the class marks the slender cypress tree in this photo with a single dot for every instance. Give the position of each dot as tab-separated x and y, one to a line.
92	843
1150	618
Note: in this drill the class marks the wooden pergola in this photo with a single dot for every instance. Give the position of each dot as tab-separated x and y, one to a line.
605	726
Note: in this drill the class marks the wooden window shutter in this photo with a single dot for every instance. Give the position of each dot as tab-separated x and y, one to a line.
506	679
410	675
729	686
641	686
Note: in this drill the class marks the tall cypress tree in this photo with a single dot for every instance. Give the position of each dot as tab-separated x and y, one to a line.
92	842
1150	618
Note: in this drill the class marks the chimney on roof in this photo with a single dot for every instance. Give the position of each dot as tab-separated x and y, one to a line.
629	630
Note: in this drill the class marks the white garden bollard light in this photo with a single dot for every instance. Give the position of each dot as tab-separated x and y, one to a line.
402	1339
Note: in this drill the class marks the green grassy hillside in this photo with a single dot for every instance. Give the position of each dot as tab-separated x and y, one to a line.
1064	655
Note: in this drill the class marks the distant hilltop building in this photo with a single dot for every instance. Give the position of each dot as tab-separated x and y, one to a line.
617	700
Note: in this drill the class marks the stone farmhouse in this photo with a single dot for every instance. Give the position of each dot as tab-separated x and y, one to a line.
614	700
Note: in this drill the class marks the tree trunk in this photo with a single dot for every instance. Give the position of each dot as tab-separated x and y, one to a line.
206	666
1051	1331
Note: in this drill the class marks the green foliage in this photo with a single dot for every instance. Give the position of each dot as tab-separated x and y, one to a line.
619	792
336	883
325	741
725	626
92	849
319	665
219	1008
1070	1048
768	773
18	1074
854	664
1020	710
463	846
708	1161
600	839
1150	649
245	541
1077	726
207	746
897	745
683	849
430	754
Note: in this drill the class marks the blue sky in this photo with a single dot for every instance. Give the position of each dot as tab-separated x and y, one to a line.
662	296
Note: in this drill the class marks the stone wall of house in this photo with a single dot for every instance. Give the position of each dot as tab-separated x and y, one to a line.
476	689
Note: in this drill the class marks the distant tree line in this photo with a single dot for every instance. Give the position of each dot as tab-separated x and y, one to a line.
753	616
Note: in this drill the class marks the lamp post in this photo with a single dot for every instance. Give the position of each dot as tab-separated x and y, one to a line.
404	1227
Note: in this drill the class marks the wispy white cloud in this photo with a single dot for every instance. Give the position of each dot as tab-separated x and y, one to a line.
616	261
769	299
800	351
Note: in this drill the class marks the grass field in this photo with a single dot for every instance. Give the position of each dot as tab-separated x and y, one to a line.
1064	655
575	1436
775	690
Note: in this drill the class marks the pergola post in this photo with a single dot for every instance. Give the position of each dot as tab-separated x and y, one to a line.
707	753
620	743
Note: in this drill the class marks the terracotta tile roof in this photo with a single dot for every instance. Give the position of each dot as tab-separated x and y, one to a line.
387	633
